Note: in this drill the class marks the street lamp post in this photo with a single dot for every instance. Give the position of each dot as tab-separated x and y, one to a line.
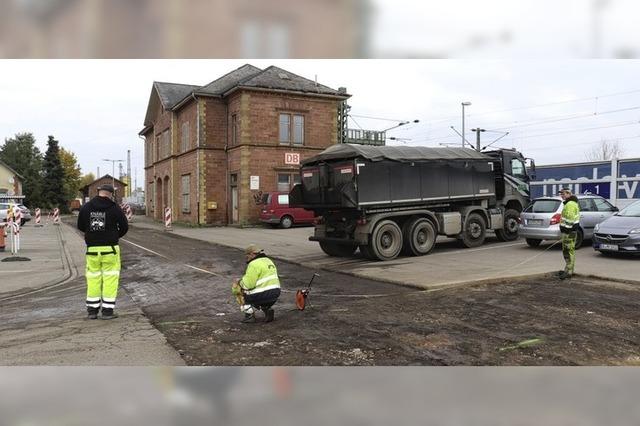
113	170
464	104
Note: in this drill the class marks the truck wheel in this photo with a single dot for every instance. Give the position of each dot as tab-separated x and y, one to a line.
419	236
510	230
386	240
337	250
532	242
286	222
475	231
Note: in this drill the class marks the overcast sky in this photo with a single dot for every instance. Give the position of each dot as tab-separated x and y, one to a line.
96	108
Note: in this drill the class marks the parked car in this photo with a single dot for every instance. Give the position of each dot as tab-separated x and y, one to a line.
620	233
26	214
276	211
541	219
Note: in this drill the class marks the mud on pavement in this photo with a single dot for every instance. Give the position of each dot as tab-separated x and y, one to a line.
353	321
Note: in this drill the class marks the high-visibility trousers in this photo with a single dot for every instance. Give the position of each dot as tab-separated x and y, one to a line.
569	251
103	276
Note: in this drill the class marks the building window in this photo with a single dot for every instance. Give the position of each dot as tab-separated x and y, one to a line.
166	145
157	148
298	130
291	129
184	146
234	129
150	196
186	187
287	180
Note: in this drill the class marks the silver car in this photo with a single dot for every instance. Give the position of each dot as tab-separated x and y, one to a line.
541	219
620	233
26	214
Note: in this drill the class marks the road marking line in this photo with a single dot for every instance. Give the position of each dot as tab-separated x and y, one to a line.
161	255
144	248
203	270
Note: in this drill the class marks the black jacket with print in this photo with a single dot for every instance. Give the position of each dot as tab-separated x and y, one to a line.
102	222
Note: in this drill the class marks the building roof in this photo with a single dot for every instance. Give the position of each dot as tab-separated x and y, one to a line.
174	95
3	164
100	178
230	80
279	79
395	153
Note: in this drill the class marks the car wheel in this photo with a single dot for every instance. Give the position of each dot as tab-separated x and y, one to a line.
475	231
510	230
532	242
579	239
286	222
22	222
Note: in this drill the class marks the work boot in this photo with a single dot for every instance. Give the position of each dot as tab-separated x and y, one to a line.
269	315
108	314
565	275
92	313
249	318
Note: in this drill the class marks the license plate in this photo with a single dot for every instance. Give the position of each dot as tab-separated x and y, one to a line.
609	247
534	222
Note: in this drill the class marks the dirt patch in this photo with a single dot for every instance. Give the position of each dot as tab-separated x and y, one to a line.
581	322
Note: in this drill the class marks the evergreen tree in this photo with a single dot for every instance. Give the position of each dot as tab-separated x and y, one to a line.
22	155
53	175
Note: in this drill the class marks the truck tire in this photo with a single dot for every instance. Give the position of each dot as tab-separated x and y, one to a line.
337	250
510	230
475	231
533	242
419	236
386	240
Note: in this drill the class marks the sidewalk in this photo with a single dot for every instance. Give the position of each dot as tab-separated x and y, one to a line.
49	326
447	265
45	247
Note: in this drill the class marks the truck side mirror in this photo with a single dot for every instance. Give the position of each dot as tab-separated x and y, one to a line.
531	168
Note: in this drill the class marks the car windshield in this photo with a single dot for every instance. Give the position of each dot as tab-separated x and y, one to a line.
543	206
632	210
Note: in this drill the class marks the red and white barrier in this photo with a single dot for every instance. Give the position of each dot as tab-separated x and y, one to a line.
56	216
18	215
128	212
38	217
167	218
14	237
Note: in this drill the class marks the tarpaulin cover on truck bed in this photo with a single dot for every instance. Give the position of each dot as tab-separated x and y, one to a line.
395	153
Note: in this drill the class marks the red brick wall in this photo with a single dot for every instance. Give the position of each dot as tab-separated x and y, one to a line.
92	190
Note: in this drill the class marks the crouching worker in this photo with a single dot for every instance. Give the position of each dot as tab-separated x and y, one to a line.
259	288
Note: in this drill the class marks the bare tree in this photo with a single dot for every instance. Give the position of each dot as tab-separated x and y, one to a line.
605	150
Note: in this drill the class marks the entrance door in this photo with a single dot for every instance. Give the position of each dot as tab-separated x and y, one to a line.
233	182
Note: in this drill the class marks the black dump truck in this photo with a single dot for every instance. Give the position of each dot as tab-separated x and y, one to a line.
392	199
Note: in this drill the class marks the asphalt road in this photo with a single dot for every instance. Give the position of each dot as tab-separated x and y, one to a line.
182	286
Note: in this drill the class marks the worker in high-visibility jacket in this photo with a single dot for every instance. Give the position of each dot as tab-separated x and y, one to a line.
103	224
259	288
569	226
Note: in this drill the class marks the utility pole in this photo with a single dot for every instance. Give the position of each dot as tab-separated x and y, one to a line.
128	191
113	169
464	104
478	131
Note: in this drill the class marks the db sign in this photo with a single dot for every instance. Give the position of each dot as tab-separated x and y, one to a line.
292	158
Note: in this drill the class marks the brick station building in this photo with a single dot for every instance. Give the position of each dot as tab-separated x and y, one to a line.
91	190
212	151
